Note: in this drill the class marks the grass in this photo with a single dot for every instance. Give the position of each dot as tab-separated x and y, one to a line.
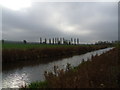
18	55
100	72
35	85
29	46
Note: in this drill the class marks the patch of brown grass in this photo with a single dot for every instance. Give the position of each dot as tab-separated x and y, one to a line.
18	55
99	72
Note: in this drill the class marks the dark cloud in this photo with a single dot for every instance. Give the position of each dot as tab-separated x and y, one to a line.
88	21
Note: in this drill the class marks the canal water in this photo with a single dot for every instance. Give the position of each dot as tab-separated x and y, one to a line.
14	78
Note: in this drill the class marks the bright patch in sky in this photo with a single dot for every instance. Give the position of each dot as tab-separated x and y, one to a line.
15	4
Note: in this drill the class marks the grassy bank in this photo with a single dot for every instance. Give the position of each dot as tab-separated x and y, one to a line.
17	55
100	72
37	45
35	85
29	46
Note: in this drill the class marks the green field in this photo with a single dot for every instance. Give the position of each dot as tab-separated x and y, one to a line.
27	46
37	45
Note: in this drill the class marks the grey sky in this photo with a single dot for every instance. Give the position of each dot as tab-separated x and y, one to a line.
88	21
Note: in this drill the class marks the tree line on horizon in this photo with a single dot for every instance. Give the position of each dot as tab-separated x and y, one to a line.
58	41
53	41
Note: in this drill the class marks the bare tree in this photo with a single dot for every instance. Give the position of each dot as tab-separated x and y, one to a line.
53	40
63	41
60	40
40	40
49	41
45	41
71	40
24	41
74	40
3	41
77	40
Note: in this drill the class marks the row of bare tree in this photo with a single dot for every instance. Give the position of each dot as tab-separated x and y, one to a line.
50	41
59	41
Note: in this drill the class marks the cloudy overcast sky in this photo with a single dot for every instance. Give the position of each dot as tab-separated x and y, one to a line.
88	21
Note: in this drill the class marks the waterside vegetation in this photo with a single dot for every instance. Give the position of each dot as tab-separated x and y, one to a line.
19	55
99	72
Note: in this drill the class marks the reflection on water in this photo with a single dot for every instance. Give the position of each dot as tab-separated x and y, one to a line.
17	77
21	64
14	80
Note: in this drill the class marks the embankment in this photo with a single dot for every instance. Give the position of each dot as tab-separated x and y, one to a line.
100	72
19	55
